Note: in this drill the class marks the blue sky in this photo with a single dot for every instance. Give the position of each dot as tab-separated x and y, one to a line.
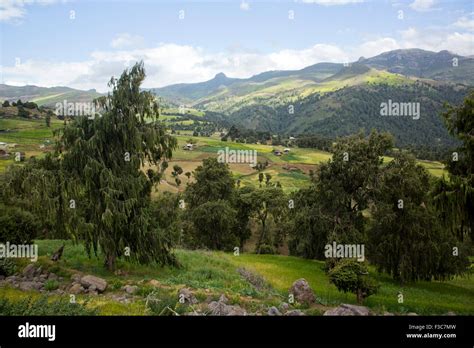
82	43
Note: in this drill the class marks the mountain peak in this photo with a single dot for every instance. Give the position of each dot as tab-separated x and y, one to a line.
220	76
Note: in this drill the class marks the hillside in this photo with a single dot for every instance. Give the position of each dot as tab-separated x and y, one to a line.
334	99
44	96
441	66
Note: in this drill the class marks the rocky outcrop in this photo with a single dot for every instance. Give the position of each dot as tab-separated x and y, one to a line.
348	309
302	292
96	283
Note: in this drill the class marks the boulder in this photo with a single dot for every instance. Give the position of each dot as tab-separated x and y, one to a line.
273	312
302	292
223	309
348	309
29	285
90	280
186	296
284	306
130	289
294	313
76	289
29	271
154	283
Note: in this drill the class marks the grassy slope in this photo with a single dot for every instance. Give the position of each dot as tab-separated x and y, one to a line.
210	274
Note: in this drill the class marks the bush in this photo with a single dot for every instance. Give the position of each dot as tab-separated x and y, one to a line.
42	307
267	249
352	276
17	226
7	267
51	285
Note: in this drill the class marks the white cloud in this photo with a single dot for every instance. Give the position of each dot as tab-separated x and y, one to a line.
332	2
169	63
377	46
244	6
465	23
126	40
422	5
15	9
437	40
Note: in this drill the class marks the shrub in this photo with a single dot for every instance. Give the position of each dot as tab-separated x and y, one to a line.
267	249
352	276
7	267
41	306
17	226
51	285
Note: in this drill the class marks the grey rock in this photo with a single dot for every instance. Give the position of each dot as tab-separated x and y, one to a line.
284	306
348	309
302	292
221	308
76	289
99	283
29	270
186	296
130	289
273	311
294	313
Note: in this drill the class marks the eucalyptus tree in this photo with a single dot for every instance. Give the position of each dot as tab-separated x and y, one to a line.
102	158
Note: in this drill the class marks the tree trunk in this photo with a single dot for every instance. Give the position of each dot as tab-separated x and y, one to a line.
360	297
260	240
110	262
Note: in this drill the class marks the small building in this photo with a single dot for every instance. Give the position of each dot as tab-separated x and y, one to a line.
292	138
188	147
277	152
3	145
286	150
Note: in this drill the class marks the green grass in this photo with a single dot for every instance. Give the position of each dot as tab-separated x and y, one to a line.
211	273
423	297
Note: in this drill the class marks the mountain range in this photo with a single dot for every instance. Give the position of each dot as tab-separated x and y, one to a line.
330	99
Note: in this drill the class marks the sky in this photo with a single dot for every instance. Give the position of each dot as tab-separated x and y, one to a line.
83	43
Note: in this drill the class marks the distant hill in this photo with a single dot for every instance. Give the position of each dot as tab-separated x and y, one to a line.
335	99
44	96
442	66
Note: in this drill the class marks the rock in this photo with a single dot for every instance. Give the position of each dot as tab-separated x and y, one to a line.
284	306
38	271
29	271
412	314
154	283
302	292
294	313
2	277
273	311
76	289
223	299
388	314
222	308
450	313
92	288
130	289
30	285
348	309
99	283
186	296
